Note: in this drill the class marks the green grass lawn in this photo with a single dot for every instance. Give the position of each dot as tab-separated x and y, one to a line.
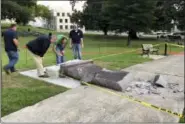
19	91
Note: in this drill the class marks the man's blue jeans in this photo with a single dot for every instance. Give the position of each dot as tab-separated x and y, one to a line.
59	59
13	59
77	51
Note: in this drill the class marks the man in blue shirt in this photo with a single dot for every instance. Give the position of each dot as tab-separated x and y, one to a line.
76	38
38	48
11	48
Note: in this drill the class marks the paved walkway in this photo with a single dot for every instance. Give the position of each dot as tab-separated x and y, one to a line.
86	104
171	65
54	79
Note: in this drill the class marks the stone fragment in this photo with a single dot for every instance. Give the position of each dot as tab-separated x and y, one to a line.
172	85
154	91
177	90
160	81
141	91
129	89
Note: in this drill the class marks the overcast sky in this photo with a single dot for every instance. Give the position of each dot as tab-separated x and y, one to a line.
64	4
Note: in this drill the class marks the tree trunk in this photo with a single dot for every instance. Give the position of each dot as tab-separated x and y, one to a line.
24	23
129	40
133	34
105	31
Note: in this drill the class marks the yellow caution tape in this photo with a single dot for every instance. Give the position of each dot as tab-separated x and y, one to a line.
182	46
130	98
121	53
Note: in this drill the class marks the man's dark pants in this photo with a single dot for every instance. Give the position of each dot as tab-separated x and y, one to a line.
13	59
77	51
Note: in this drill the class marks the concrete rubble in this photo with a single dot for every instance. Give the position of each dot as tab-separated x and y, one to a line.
87	71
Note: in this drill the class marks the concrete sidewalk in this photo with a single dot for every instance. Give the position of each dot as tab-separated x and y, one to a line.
171	65
87	104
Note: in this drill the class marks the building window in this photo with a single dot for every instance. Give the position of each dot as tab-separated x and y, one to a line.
61	27
66	20
71	26
58	14
61	20
63	14
68	14
66	27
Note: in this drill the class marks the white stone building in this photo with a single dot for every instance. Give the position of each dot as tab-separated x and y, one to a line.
61	21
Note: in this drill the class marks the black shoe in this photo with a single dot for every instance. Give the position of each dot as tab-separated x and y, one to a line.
14	71
44	76
6	71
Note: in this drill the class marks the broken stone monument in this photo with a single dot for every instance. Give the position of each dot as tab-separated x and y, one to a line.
140	83
109	79
85	70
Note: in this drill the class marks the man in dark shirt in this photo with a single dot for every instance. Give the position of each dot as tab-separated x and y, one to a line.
11	48
76	42
38	48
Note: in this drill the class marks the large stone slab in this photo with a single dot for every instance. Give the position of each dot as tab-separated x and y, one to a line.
85	72
109	79
73	63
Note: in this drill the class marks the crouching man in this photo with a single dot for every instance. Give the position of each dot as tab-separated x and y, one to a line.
38	48
59	47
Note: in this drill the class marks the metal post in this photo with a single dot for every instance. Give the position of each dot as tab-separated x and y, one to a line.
166	49
26	57
99	48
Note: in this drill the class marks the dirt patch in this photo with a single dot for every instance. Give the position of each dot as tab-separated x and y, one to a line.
11	81
176	53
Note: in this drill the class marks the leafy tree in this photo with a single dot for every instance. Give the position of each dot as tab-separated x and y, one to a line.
131	15
73	2
76	16
168	10
26	3
14	9
24	16
165	12
9	9
24	11
93	16
180	14
42	11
